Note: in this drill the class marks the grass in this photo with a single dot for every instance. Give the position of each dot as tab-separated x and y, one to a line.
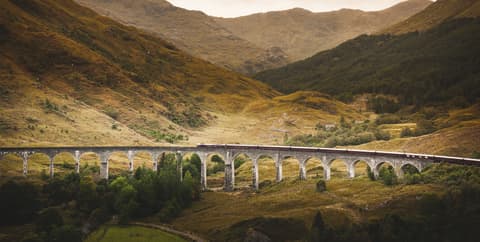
346	200
110	233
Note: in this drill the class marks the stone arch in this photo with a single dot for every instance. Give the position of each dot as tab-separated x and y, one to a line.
292	167
89	162
64	162
215	170
339	167
265	170
410	168
314	167
166	158
379	164
360	167
192	162
40	163
118	163
143	158
12	164
245	168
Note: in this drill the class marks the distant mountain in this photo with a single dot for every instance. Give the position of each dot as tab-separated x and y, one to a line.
435	14
301	33
438	65
193	32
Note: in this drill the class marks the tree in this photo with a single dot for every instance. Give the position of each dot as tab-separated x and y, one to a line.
18	202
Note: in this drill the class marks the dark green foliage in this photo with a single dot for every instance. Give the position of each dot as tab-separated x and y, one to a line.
112	112
19	201
50	106
387	175
370	174
382	105
321	186
48	219
431	67
346	134
192	166
239	160
166	136
219	165
319	231
277	229
406	132
66	233
387	119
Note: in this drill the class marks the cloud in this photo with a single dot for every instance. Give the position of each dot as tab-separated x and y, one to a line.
235	8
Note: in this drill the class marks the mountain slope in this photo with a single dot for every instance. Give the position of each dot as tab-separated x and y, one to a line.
435	66
435	14
301	33
193	32
72	77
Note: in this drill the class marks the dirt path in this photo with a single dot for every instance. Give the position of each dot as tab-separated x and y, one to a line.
186	235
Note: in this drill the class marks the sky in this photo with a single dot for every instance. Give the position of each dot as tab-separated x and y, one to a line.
235	8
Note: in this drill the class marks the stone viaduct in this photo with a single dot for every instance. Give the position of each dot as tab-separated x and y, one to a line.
228	152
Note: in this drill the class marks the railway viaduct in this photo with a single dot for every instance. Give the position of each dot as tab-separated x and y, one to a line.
228	152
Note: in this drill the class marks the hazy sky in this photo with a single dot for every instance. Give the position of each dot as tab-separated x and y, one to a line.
234	8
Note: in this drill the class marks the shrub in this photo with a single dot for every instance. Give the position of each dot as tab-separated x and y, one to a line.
370	174
321	186
406	132
112	112
387	176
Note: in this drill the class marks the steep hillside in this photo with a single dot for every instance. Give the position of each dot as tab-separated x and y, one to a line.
435	14
193	32
438	65
72	77
301	33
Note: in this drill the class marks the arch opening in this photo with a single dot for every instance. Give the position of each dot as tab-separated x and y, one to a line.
39	164
290	167
167	162
215	171
142	159
90	164
118	164
410	169
243	170
314	168
267	172
386	173
362	169
63	163
338	168
11	165
192	164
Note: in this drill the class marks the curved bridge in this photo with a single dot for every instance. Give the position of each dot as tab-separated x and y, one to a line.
229	152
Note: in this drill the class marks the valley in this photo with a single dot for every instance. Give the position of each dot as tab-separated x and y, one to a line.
77	73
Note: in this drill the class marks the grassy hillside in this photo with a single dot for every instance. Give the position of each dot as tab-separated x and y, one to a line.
440	11
129	233
72	77
301	33
438	65
193	32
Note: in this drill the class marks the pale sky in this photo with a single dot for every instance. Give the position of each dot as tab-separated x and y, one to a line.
235	8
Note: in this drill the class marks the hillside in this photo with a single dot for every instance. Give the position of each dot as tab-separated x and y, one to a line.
301	33
72	77
193	32
442	10
436	66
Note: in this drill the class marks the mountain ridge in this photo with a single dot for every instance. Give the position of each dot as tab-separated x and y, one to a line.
301	33
193	32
